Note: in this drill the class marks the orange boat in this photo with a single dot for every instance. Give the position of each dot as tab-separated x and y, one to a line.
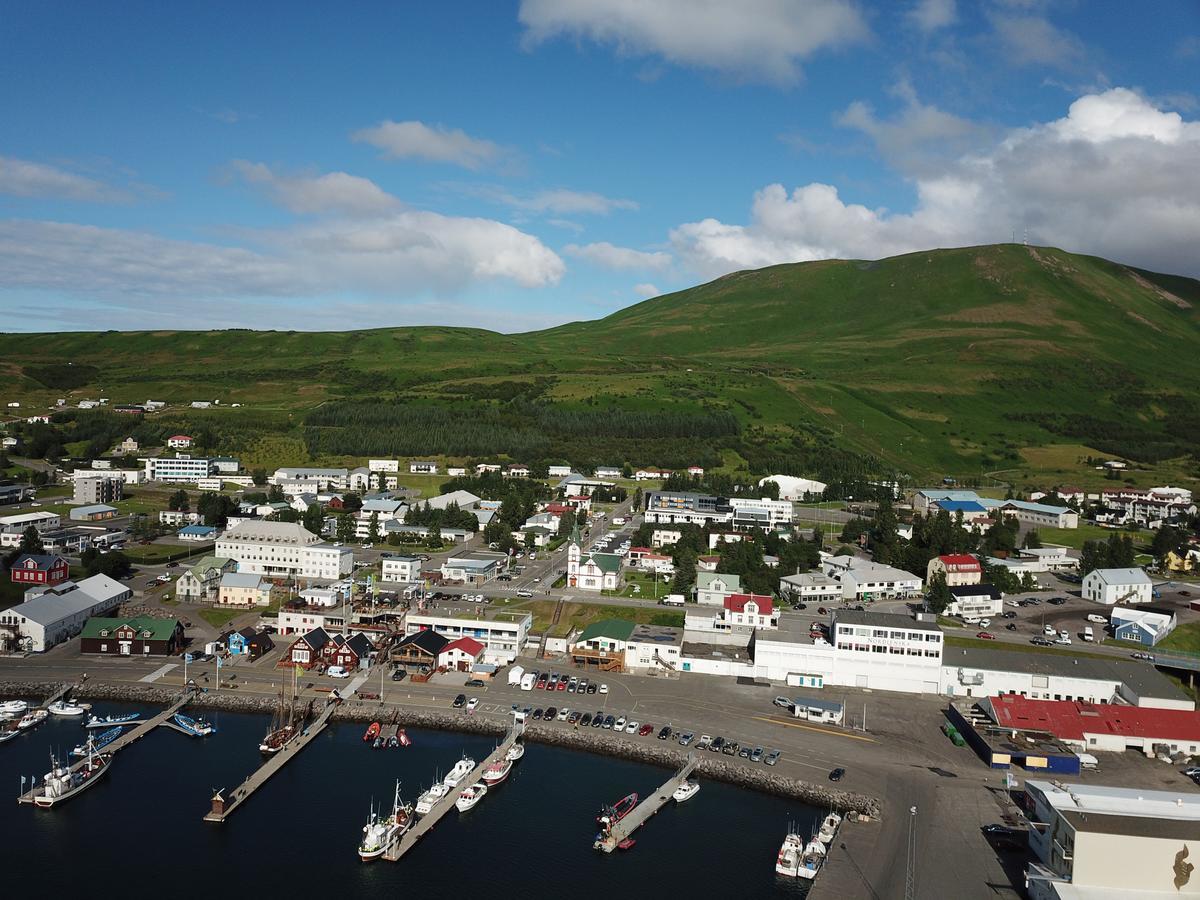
373	731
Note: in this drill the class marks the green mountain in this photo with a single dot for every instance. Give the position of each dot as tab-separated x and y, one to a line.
956	362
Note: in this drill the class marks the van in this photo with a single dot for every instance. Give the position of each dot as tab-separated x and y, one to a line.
1099	620
1087	633
527	681
672	600
619	520
970	620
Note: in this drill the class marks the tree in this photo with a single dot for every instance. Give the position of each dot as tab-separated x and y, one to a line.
937	595
314	519
1033	541
853	529
685	572
373	528
530	540
566	523
274	493
259	476
178	501
31	541
352	503
114	564
1167	539
345	528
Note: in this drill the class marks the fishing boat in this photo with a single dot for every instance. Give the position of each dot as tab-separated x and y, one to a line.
461	770
402	737
106	721
67	708
788	861
497	771
429	799
472	795
685	791
8	731
62	783
379	742
382	833
32	719
626	844
515	752
10	709
372	732
611	815
282	729
829	827
98	742
812	859
195	727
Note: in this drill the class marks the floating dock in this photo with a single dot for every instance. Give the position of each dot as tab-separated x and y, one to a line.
647	808
222	808
425	824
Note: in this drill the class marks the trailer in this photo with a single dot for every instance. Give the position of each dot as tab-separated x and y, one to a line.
515	674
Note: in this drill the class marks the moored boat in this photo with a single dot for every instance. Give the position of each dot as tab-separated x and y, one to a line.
106	721
379	742
788	861
611	815
62	783
195	727
497	771
461	770
99	742
67	708
829	827
33	718
429	799
470	796
685	791
10	709
8	731
382	833
393	742
626	844
372	732
515	752
402	737
812	859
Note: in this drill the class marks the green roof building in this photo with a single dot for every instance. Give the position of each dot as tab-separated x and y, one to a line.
133	636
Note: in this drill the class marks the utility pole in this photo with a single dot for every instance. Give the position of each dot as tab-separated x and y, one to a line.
910	875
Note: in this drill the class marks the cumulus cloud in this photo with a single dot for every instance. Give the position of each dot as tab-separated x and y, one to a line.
645	290
760	39
1114	177
930	15
610	256
24	178
333	192
436	143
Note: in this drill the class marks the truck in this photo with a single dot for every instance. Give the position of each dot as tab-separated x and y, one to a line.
672	600
618	520
1087	633
527	681
515	674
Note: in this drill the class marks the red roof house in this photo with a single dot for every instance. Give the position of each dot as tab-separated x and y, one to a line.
752	610
461	654
1104	726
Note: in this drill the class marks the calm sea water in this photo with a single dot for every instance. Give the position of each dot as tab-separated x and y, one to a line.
530	836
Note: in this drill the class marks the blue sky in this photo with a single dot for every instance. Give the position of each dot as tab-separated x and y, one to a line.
517	164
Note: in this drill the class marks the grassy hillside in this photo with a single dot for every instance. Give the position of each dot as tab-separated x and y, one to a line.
962	362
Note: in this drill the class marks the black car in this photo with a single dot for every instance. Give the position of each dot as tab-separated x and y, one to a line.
398	675
591	689
551	712
537	713
586	720
664	733
1058	601
598	720
475	682
837	774
610	721
717	744
460	700
1011	627
1008	614
731	748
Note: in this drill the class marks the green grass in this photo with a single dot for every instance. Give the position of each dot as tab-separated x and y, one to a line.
580	615
645	585
1075	537
217	617
1185	638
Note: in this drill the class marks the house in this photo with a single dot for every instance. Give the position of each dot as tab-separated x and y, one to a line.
39	568
957	568
922	499
419	467
713	587
695	471
396	567
592	571
665	537
283	550
129	445
517	471
1048	559
198	533
99	488
975	601
818	709
654	649
456	471
202	581
558	471
707	563
243	589
1146	625
651	475
478	568
305	651
1037	515
602	645
136	636
606	472
1176	561
809	587
502	633
738	613
460	655
179	442
178	517
351	653
52	614
248	642
686	508
1109	586
970	510
383	465
94	513
867	580
418	651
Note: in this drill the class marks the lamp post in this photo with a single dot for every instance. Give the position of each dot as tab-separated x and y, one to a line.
910	875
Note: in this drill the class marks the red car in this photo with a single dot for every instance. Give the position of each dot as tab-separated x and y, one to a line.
541	685
986	635
645	729
562	684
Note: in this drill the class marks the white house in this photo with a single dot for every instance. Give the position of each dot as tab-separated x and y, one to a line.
1111	586
478	568
383	465
460	654
283	549
762	513
866	580
404	569
243	589
558	471
713	587
810	587
665	537
179	442
975	600
503	633
957	568
654	648
423	467
51	615
738	613
181	469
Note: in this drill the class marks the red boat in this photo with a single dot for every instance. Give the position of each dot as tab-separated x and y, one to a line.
626	844
373	731
402	736
611	815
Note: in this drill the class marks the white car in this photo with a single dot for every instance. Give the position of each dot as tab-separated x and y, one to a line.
985	622
604	688
563	713
472	703
368	546
632	727
1049	629
337	672
620	724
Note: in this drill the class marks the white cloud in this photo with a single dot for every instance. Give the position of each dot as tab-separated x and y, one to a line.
761	39
24	178
645	290
333	192
558	201
1033	40
930	15
1114	177
610	256
436	143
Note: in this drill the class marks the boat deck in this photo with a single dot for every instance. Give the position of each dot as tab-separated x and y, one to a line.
223	810
647	808
425	824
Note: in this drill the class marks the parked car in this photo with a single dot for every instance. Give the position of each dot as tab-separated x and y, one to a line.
591	689
717	743
772	757
399	675
756	754
460	701
620	723
1041	642
585	720
664	732
563	714
604	688
474	682
550	713
598	719
645	730
537	713
782	702
744	752
472	703
986	635
632	727
1011	626
1057	601
686	739
731	748
837	774
575	717
337	672
705	740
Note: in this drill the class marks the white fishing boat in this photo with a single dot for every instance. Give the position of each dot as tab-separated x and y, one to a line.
62	783
99	742
67	708
461	770
32	719
812	859
685	791
194	727
829	827
472	795
429	799
497	771
8	731
788	861
10	709
382	833
515	752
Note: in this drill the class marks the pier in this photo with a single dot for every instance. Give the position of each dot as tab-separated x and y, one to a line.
60	693
425	824
647	808
222	808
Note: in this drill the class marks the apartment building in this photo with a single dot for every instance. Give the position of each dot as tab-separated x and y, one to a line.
283	549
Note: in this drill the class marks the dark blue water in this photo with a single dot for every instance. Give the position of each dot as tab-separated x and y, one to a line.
531	836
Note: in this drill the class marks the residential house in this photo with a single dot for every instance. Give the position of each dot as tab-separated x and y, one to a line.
243	589
100	488
708	563
810	587
423	467
957	568
738	613
460	655
399	568
351	653
198	533
1145	625
695	471
202	582
39	568
607	472
503	633
558	471
136	636
864	579
665	537
179	442
517	471
975	601
176	518
713	587
1110	586
305	652
418	651
248	642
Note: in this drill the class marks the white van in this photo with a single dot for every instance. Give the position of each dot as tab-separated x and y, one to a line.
619	520
1099	620
1087	633
527	681
337	672
970	620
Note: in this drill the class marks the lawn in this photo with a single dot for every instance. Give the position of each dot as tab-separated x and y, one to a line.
644	583
1185	638
1074	537
217	617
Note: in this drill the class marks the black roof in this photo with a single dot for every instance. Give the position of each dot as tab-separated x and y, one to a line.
428	640
974	590
317	638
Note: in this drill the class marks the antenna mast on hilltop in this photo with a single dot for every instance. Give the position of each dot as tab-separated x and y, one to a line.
1025	236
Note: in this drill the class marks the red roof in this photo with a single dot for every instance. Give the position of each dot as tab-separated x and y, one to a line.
467	645
737	603
633	550
1071	720
180	437
960	561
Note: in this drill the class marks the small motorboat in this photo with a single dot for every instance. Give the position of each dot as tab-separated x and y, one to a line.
402	737
372	732
67	708
429	799
788	861
8	732
106	721
812	860
10	709
378	742
611	815
626	844
471	796
194	727
461	770
829	827
515	752
497	771
685	791
99	742
393	742
32	719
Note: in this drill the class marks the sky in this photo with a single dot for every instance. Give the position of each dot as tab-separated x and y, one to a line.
515	164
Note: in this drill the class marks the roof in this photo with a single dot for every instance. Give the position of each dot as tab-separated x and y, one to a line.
1071	720
428	640
270	532
465	500
210	562
819	703
938	494
1133	826
960	560
960	505
614	629
881	620
1121	576
704	580
43	562
160	629
975	590
180	437
198	529
241	580
92	508
316	639
1026	505
737	603
605	562
467	645
657	634
359	643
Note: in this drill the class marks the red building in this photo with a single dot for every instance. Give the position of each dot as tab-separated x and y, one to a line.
307	650
33	568
348	652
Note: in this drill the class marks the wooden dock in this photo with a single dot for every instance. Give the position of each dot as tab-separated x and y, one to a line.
125	739
60	693
223	808
425	824
647	808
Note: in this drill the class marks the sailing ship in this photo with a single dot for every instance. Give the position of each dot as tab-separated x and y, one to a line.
283	727
382	833
62	783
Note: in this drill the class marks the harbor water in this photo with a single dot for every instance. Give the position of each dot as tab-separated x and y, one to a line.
531	836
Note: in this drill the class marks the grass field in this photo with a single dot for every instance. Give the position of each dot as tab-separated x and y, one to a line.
1185	638
218	617
1075	537
151	554
580	615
